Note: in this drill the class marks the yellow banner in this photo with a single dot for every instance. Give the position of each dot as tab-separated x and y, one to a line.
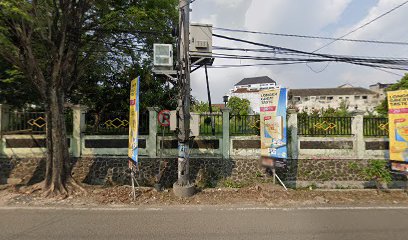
134	120
398	124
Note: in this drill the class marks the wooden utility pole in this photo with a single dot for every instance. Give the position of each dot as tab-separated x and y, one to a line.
183	187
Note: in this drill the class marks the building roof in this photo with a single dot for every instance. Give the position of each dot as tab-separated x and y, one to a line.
255	80
219	105
244	90
330	91
347	85
381	85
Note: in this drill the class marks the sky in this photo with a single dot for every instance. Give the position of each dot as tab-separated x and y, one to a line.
327	18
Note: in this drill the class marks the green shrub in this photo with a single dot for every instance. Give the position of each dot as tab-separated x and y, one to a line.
376	170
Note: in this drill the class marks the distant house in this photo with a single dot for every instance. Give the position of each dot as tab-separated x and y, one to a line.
380	89
249	88
356	98
220	106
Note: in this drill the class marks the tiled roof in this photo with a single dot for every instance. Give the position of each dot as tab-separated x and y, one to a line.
255	80
330	91
245	90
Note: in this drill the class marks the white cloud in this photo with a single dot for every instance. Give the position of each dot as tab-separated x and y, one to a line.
311	17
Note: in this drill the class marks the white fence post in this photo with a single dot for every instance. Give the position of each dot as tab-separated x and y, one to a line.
225	133
4	119
358	134
293	128
151	142
78	127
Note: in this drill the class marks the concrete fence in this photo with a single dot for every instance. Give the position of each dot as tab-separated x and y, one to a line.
354	146
99	159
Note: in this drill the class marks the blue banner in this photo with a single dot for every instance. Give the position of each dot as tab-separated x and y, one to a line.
273	123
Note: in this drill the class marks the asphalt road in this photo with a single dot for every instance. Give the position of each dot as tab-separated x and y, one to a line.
204	223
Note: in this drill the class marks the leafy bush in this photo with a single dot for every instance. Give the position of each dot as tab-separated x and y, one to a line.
376	170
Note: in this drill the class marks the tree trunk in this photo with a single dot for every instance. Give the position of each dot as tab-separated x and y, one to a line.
57	167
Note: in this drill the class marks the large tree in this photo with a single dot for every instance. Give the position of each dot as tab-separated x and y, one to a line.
52	42
402	84
15	89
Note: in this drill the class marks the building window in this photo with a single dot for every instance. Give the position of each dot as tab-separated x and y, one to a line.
296	99
322	98
364	97
340	98
330	98
347	98
306	99
356	97
312	98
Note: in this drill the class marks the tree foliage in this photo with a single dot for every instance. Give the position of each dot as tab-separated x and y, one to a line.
203	107
57	44
341	111
239	106
402	84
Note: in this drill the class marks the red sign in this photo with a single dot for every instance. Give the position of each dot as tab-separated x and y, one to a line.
164	118
268	109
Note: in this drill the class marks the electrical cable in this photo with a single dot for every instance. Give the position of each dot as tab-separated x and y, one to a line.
337	58
311	37
362	26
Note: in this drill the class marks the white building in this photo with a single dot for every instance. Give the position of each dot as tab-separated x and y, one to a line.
248	88
355	98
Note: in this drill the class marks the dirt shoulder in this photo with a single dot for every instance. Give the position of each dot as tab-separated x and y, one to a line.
259	194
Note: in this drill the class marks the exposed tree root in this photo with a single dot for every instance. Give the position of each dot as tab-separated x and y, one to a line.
60	191
34	188
74	186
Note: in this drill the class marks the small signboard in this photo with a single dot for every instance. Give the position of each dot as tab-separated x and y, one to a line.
164	118
273	125
398	129
134	121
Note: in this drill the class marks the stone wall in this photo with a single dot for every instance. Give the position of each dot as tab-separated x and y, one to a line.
105	170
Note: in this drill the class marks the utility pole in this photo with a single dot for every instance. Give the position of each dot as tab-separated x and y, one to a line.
183	187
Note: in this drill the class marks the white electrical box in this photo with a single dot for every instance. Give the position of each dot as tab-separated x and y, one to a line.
163	55
200	39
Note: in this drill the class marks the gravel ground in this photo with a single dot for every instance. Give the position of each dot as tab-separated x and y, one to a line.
260	194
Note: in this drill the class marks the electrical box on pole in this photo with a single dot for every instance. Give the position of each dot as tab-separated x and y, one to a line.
200	47
163	56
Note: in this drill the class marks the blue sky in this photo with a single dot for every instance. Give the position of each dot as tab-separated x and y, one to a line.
329	18
353	13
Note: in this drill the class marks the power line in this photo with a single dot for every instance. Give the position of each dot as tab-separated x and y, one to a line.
369	62
311	37
286	52
335	57
352	31
362	26
253	65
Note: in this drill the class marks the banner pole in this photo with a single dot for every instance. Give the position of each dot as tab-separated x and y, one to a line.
132	175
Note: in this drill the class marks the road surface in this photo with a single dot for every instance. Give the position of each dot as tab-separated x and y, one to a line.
210	222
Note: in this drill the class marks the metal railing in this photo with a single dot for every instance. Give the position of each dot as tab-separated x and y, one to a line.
244	125
206	124
33	122
324	126
375	127
26	122
114	123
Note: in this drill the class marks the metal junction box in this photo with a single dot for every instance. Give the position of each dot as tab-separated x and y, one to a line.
200	41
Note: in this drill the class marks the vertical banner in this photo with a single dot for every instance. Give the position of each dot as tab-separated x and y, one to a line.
273	125
134	120
398	129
